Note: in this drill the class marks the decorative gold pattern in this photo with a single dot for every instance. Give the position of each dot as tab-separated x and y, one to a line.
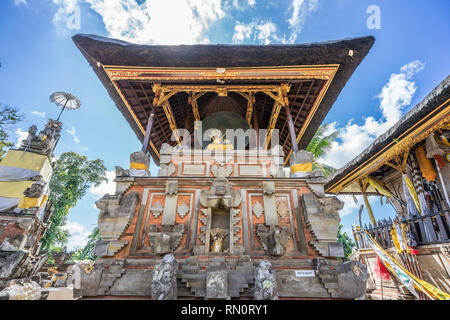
278	93
313	110
323	72
273	121
250	103
125	101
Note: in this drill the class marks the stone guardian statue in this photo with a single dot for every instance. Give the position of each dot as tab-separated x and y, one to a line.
265	282
164	284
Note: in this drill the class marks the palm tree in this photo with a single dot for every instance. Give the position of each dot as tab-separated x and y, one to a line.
320	145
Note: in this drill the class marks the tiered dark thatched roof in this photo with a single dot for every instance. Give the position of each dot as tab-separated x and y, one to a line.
347	54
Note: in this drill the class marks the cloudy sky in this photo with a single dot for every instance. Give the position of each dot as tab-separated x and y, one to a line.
37	57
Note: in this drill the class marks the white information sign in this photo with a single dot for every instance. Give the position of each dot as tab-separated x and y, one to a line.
305	273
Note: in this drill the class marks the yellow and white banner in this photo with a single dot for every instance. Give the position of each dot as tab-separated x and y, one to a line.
409	280
20	166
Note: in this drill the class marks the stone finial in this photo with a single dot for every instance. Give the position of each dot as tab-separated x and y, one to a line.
164	283
121	172
302	156
301	164
166	149
139	164
265	282
140	157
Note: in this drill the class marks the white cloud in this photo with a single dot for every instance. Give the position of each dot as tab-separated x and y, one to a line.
19	2
79	235
73	133
106	186
152	22
240	5
394	96
21	135
349	204
264	32
65	9
300	11
39	114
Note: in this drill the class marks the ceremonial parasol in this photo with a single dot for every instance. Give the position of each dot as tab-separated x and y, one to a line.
65	100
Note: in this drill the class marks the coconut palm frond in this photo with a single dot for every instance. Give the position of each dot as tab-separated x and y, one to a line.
321	144
324	145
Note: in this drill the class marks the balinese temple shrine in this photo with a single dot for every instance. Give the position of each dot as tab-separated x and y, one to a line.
222	219
407	254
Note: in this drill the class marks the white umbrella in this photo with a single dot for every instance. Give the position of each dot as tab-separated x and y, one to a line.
65	100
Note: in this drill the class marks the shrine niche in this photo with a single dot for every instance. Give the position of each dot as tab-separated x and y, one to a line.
220	202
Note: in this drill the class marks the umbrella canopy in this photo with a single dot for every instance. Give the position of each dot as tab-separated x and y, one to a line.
65	100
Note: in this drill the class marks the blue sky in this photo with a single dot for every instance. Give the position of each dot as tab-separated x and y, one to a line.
38	57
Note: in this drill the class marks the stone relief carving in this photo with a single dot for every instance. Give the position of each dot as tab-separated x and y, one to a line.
274	239
36	190
220	194
164	282
217	284
165	239
265	282
258	209
204	220
235	225
167	170
282	209
183	210
218	236
222	171
157	209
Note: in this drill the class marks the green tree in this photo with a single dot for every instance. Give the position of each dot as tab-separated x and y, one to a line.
74	174
347	243
8	116
319	146
87	252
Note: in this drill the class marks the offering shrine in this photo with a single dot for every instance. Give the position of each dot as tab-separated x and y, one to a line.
236	211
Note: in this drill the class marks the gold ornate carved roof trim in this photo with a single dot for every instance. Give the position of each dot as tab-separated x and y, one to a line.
323	72
416	133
